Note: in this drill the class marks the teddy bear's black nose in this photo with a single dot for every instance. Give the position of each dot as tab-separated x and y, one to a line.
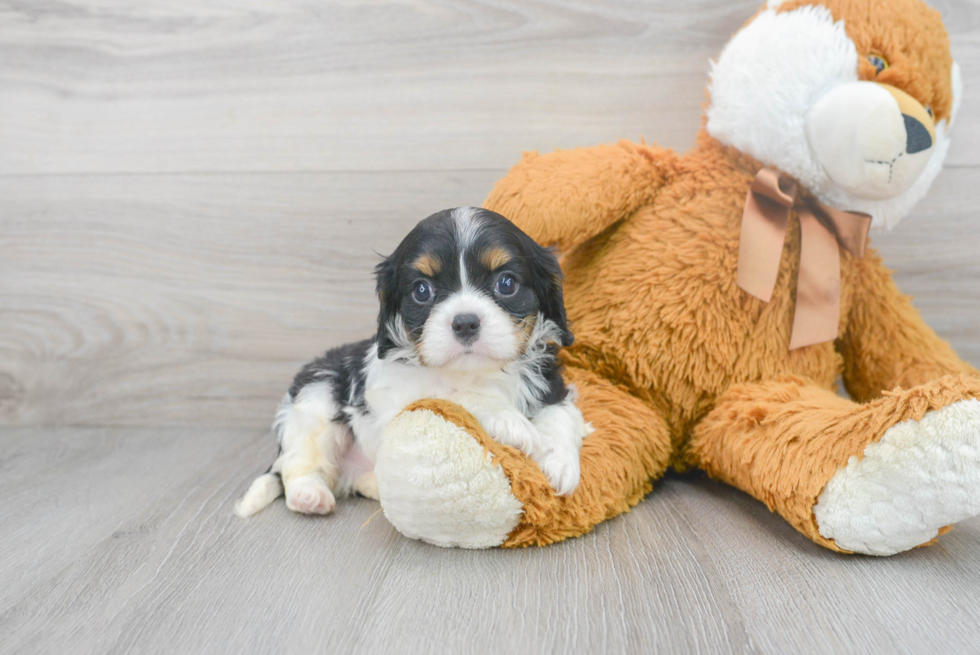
917	136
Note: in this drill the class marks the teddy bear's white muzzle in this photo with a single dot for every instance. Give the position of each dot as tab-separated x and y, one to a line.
871	140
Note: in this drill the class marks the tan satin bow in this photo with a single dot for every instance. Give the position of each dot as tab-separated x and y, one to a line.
760	247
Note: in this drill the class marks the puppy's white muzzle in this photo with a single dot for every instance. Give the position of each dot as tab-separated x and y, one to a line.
494	341
871	139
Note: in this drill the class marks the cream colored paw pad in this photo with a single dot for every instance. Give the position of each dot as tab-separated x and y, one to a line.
921	476
437	484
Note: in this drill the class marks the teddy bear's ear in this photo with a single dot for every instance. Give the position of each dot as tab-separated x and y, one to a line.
957	84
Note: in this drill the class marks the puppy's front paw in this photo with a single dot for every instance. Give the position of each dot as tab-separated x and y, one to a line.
309	494
511	429
562	469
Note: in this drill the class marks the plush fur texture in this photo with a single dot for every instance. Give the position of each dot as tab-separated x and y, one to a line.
678	367
782	441
624	428
432	471
828	49
867	506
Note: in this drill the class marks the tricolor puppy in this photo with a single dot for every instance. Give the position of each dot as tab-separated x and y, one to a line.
472	312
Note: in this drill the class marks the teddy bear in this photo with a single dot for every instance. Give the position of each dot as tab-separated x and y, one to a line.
717	297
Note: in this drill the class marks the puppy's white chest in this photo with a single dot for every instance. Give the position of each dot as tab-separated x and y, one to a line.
397	386
391	387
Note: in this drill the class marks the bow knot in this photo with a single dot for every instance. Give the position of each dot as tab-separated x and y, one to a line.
823	231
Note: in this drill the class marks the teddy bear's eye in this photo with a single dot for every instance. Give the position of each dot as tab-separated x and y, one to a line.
879	62
929	111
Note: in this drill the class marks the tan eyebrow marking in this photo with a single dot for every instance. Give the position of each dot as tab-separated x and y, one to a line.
427	265
494	258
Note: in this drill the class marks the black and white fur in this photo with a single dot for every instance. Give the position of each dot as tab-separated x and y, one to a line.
472	312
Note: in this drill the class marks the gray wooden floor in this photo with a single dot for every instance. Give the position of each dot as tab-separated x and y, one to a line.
120	540
191	198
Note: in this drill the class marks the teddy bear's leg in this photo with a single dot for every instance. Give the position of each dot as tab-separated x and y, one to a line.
886	343
875	478
443	480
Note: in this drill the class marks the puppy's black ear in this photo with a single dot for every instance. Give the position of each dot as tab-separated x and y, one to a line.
386	276
547	285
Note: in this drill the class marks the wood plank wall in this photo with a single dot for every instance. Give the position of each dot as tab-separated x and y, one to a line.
192	192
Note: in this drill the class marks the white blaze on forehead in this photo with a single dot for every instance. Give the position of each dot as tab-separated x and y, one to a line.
467	228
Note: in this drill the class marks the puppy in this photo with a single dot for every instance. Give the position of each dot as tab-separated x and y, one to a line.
472	312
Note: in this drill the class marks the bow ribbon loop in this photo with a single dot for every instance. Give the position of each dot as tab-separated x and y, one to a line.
781	189
823	231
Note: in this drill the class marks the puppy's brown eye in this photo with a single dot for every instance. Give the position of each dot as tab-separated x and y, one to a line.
506	286
422	293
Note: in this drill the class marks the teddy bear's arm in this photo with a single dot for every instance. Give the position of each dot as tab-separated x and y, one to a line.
443	479
886	343
566	197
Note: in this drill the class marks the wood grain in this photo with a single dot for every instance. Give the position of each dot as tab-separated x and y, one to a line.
192	196
192	299
695	568
64	490
99	86
192	193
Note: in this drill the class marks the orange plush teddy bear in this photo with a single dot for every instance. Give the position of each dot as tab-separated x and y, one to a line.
717	296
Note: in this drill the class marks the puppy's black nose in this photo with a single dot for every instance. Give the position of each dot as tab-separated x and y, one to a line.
466	326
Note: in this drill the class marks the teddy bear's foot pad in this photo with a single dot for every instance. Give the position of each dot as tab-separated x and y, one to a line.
921	476
438	484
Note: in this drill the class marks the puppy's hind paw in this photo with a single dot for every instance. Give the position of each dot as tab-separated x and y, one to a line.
309	495
562	469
